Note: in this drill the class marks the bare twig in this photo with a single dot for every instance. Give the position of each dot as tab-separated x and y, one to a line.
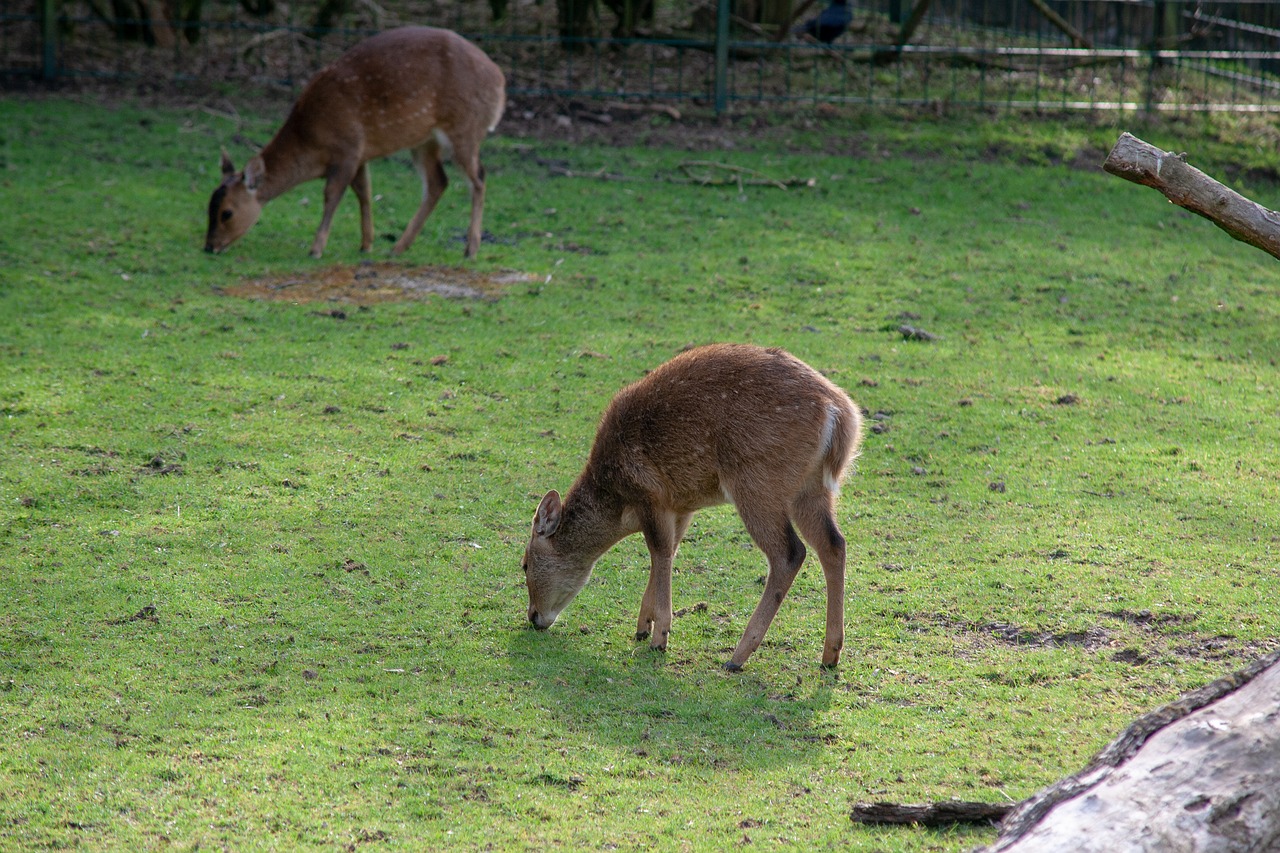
736	175
273	35
232	115
600	174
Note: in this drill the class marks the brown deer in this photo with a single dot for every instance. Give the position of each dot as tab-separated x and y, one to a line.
754	427
421	88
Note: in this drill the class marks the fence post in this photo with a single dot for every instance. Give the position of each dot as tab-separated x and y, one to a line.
722	55
1165	28
1170	23
48	38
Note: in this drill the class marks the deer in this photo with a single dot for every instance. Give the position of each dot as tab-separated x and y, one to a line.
735	423
424	89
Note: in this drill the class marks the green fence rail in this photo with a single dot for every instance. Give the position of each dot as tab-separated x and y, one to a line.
1153	55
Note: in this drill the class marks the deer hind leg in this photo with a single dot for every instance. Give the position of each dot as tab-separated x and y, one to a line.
426	159
813	512
362	186
336	182
467	155
772	531
662	534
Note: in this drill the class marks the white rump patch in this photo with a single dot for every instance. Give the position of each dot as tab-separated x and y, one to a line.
446	144
829	480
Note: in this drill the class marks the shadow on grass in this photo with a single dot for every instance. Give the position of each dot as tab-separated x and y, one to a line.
678	706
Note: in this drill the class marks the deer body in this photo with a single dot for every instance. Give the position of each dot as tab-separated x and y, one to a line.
754	427
418	88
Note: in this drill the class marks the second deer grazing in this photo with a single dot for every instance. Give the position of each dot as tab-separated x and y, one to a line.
754	427
419	88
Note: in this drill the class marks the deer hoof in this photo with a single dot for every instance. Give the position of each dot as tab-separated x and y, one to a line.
642	635
730	666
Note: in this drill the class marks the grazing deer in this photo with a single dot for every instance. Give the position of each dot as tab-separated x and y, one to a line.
754	427
421	88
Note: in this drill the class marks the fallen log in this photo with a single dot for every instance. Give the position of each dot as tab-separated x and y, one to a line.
930	814
1199	775
1188	187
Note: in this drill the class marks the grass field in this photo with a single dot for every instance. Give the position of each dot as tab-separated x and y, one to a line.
260	558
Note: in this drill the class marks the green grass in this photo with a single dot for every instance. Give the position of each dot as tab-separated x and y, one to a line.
1067	517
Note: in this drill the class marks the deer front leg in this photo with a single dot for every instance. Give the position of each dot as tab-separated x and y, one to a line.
652	604
662	533
334	186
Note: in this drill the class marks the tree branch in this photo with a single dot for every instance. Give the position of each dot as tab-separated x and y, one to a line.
1186	186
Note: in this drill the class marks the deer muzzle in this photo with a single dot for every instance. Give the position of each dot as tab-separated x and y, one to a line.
540	622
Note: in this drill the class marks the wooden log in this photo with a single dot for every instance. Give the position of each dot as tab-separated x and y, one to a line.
1200	775
930	814
1186	186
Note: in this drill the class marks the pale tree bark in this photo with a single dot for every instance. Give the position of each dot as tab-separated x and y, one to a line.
1186	186
1200	775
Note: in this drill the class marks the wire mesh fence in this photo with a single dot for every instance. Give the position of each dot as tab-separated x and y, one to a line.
1154	55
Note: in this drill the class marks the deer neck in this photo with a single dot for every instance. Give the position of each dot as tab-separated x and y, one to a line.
592	524
287	165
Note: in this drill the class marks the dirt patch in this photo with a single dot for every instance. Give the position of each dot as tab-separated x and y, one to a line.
1092	639
369	283
1158	637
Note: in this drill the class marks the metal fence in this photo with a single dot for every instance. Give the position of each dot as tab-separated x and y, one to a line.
1154	55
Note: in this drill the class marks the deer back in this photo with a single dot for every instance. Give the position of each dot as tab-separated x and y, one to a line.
720	422
394	91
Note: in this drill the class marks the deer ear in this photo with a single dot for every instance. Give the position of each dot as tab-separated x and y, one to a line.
254	171
228	168
547	520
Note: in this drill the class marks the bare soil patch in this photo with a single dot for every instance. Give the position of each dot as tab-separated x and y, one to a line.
1160	637
370	283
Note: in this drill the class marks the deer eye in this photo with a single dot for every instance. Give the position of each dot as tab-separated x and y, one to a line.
226	214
